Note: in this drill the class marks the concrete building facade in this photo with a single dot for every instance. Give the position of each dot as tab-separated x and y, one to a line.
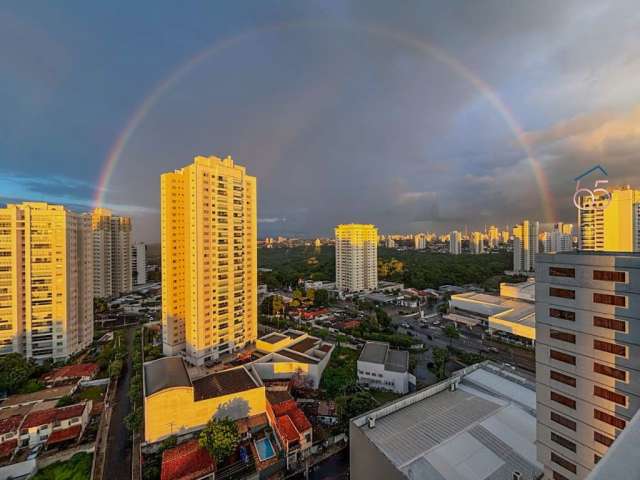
587	357
455	243
356	257
525	246
111	253
209	259
610	225
139	263
46	288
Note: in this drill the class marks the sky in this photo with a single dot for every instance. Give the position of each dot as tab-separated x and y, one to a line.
412	115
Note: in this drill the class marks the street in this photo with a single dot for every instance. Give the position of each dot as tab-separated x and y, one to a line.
118	452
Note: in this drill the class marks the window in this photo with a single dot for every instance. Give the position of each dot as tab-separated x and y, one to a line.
610	348
566	464
609	395
562	272
562	293
569	445
558	476
606	299
610	323
562	378
563	314
610	371
564	421
566	401
610	419
603	439
562	336
562	357
610	276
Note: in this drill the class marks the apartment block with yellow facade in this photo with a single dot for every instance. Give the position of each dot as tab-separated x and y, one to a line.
209	259
356	257
111	253
46	289
610	225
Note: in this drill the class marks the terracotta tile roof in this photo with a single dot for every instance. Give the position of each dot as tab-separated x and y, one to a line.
45	417
10	424
304	345
287	429
72	371
7	448
283	408
299	420
187	461
65	434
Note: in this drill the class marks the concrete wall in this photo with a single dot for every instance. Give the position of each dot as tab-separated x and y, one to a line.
366	462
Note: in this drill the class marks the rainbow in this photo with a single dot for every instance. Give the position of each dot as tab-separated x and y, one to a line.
115	152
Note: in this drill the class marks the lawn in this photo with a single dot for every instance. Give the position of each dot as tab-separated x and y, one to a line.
77	467
91	393
384	397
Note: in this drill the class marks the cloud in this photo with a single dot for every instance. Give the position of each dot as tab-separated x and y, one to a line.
272	220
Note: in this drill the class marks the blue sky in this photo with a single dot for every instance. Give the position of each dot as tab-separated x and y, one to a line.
330	104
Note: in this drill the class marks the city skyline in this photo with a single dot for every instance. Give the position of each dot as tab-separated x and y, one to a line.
300	81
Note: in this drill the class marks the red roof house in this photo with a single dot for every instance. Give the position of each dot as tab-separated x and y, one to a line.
187	461
82	371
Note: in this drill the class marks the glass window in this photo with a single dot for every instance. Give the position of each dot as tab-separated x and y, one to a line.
610	371
610	323
563	314
562	293
562	378
562	336
610	348
606	299
562	272
562	357
566	401
608	276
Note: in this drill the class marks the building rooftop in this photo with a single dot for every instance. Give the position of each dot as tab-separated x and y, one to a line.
298	357
187	461
273	338
380	353
45	417
507	309
39	396
485	428
224	382
304	345
72	371
163	373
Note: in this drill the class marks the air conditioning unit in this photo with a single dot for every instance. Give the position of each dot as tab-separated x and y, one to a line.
372	421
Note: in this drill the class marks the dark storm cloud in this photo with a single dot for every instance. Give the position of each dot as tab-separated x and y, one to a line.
338	112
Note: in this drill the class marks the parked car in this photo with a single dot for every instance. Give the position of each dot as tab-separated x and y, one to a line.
34	452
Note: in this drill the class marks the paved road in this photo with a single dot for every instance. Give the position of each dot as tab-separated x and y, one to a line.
333	468
118	453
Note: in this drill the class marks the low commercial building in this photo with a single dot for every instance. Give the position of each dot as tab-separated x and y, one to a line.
383	368
480	424
521	291
176	404
292	353
514	319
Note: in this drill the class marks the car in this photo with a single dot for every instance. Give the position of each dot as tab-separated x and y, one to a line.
429	337
493	349
405	325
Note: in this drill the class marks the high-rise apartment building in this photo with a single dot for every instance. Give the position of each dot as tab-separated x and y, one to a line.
209	259
476	243
455	243
587	357
46	289
111	252
356	257
420	241
557	241
139	263
493	236
525	246
610	226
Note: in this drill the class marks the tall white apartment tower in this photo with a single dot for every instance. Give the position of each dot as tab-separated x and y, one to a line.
455	243
356	257
111	253
209	259
476	242
46	289
139	263
420	241
525	246
557	241
587	357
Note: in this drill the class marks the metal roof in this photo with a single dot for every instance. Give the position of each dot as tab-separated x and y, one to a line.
482	430
397	361
374	352
166	372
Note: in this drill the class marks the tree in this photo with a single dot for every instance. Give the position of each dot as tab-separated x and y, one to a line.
100	305
321	298
310	294
452	332
440	358
220	438
15	370
350	406
115	368
272	305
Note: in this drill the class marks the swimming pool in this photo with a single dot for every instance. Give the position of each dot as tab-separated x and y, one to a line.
265	449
